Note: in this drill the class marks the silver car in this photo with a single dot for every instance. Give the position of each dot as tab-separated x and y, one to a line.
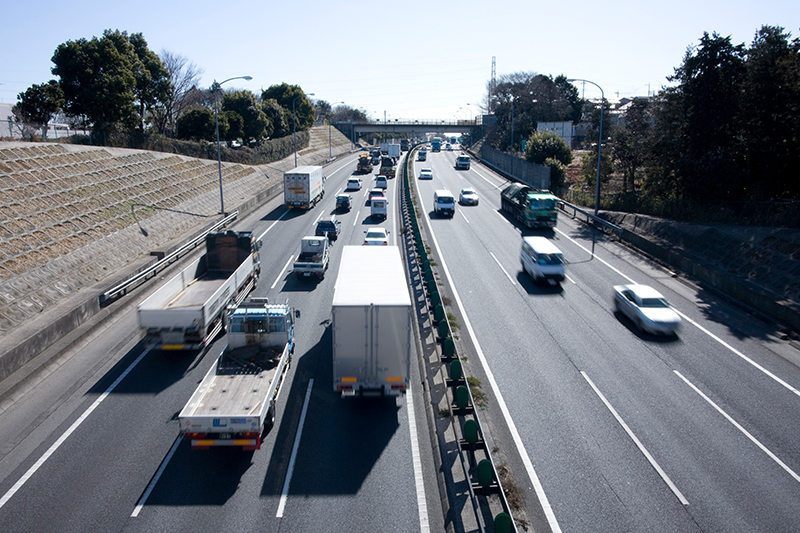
647	309
468	197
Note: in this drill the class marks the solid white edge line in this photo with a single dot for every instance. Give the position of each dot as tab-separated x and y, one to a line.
32	470
295	447
637	442
740	428
419	480
280	274
503	269
526	460
154	481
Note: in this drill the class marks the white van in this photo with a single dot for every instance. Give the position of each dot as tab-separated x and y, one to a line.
541	259
379	208
444	204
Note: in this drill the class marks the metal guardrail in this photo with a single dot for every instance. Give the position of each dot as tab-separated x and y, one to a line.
597	222
132	282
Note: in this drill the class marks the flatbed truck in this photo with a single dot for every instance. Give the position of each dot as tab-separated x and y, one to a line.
235	403
188	311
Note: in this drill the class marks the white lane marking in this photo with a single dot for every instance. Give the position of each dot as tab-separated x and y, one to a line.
38	464
419	480
569	278
701	328
637	442
280	274
738	353
740	428
155	479
503	269
295	447
462	214
273	224
534	478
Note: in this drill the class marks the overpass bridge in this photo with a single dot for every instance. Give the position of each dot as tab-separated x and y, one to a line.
410	128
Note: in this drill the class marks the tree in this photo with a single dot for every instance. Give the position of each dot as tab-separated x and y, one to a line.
39	104
277	118
255	122
771	114
231	126
285	94
710	80
531	98
629	143
544	145
185	76
198	124
153	83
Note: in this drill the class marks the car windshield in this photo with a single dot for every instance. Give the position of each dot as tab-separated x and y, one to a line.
376	235
654	302
550	259
467	192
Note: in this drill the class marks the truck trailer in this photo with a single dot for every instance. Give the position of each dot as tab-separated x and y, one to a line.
303	187
234	405
371	323
533	208
189	310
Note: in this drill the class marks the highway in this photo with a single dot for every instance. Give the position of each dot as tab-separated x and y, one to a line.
92	443
604	428
616	430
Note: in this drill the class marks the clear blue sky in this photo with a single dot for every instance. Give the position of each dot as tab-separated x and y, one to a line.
418	60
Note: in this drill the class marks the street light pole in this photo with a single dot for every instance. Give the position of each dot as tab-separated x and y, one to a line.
599	143
215	88
294	126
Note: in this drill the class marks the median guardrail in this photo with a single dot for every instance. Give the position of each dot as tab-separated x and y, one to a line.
485	487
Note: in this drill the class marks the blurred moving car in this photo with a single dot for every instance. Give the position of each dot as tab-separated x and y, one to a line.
425	174
353	184
647	308
376	237
381	182
542	259
468	197
344	202
376	193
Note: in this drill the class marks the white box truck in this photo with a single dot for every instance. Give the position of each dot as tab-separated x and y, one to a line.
371	323
189	310
303	187
234	405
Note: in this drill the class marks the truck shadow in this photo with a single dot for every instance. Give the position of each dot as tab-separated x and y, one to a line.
201	477
156	372
342	439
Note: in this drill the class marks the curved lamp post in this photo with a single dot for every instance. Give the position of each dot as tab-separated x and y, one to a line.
215	88
599	142
294	126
